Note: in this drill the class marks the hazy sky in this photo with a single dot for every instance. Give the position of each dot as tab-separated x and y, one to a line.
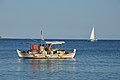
60	18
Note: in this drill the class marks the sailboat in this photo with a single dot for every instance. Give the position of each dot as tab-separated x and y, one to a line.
92	36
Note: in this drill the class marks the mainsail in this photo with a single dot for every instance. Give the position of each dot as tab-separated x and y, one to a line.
92	36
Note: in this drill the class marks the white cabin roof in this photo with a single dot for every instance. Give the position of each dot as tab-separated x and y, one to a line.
55	42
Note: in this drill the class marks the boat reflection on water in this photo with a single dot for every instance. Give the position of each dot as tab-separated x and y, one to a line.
46	68
49	64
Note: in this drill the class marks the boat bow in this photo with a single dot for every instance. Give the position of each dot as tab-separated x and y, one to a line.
20	54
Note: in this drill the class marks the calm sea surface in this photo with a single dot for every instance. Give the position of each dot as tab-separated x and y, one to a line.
93	61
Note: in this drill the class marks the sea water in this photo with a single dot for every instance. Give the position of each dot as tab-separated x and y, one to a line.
99	60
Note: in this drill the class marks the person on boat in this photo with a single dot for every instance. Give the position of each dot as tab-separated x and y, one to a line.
34	49
49	49
42	48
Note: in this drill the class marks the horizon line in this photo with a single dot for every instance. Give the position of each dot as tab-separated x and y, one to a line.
64	38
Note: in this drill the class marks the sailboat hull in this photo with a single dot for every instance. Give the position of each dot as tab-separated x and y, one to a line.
92	40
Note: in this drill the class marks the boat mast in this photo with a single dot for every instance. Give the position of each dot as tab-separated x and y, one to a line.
42	36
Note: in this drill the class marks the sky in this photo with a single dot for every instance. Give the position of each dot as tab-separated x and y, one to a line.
60	19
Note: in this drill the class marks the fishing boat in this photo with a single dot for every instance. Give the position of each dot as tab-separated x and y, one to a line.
43	53
92	36
40	51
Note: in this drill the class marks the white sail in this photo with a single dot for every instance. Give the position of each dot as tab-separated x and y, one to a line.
92	36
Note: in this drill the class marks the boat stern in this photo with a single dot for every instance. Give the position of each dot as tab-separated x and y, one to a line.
74	52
